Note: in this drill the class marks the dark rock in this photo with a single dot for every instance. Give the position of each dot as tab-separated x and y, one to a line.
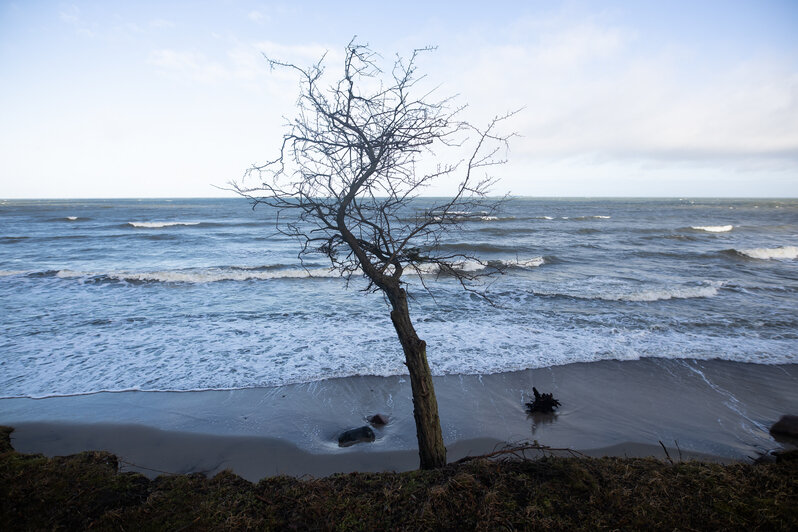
777	456
358	435
786	456
378	420
544	403
765	458
786	426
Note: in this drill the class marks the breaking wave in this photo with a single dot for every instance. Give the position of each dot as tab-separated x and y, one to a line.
785	252
158	225
712	228
472	265
196	275
710	289
470	218
248	273
525	263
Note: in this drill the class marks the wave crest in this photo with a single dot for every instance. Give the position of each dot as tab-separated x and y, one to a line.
709	289
158	225
784	252
473	265
712	228
198	275
595	217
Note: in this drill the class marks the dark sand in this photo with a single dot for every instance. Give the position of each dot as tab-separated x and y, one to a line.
713	409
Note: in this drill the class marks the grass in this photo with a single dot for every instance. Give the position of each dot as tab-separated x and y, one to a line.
86	491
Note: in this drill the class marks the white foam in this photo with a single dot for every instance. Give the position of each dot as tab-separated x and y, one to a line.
8	273
427	268
464	216
473	265
69	274
469	265
596	217
158	225
210	276
72	218
525	263
203	275
619	292
712	228
785	252
669	293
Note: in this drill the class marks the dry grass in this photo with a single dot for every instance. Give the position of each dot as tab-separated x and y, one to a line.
85	491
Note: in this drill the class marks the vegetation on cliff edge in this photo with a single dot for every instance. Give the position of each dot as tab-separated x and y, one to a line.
87	491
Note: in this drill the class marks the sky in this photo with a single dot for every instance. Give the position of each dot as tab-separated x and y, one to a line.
175	99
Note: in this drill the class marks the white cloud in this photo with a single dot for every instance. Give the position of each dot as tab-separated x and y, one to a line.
303	54
189	65
255	16
71	16
574	46
586	91
161	23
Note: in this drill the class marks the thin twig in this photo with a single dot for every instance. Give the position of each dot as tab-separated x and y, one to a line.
514	451
667	455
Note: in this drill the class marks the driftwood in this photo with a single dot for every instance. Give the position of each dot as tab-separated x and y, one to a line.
518	452
544	403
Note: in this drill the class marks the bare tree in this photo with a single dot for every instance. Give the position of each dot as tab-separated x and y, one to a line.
344	183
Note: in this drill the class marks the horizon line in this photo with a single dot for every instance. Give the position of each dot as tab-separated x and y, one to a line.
509	196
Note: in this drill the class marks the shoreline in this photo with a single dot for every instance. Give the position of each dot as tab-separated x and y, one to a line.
318	382
709	409
154	452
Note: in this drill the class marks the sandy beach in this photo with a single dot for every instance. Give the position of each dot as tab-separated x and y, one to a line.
712	409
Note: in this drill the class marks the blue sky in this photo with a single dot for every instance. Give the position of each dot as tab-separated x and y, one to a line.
167	99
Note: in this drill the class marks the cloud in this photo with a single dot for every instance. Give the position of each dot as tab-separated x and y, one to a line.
241	62
574	46
191	65
255	16
161	23
303	54
71	16
586	90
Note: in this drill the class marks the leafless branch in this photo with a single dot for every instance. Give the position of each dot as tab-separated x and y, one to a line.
348	170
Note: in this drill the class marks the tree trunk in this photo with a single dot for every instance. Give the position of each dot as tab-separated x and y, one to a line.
425	406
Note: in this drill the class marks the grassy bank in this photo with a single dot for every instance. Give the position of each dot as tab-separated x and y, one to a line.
85	490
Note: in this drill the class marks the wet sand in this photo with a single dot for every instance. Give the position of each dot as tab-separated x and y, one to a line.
702	409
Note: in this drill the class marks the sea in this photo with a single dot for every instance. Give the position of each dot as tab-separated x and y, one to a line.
205	294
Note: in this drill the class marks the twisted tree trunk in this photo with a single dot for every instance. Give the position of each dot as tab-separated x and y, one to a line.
425	406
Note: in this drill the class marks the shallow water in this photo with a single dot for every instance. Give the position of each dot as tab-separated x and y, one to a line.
699	409
202	294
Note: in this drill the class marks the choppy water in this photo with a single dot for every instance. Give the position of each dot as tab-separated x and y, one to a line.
201	294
